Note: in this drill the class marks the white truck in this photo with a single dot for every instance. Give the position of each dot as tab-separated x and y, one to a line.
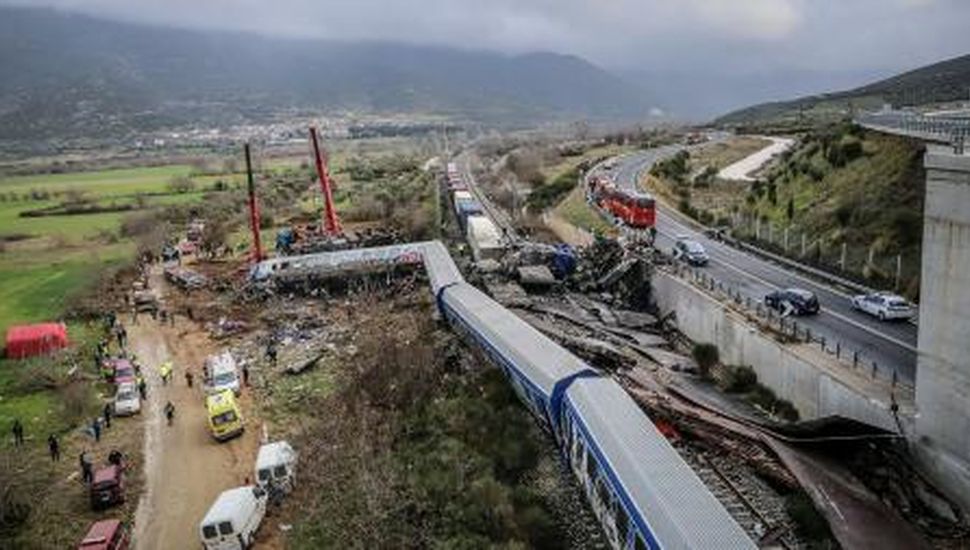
221	374
276	466
484	238
233	519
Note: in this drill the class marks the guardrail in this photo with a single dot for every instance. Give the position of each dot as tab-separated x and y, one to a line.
789	329
952	131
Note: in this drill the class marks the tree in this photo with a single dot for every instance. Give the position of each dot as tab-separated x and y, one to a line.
181	184
706	356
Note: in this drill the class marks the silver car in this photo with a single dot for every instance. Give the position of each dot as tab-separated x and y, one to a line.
127	401
884	305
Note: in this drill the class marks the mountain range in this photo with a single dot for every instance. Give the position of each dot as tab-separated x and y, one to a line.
65	75
946	81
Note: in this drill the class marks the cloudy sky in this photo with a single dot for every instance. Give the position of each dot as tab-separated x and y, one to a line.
840	42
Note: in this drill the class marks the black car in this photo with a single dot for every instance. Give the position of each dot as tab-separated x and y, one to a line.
802	302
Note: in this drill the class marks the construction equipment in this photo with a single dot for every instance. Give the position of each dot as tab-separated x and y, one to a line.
253	209
331	224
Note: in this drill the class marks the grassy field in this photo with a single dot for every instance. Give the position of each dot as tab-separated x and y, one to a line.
725	153
553	170
46	261
578	212
100	183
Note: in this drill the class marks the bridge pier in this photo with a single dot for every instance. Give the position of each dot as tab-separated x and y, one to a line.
942	439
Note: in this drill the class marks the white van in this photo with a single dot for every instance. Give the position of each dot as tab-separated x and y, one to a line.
222	374
233	519
276	465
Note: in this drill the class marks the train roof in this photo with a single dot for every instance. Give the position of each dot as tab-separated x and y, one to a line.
678	508
539	359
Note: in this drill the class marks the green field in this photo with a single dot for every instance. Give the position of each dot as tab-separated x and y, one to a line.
128	181
46	261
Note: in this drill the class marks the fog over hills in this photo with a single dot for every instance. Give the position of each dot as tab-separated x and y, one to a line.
66	75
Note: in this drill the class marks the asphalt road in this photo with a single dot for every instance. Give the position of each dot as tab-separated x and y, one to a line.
891	345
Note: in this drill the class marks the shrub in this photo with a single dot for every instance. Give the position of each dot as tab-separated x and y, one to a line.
77	402
180	184
740	379
706	356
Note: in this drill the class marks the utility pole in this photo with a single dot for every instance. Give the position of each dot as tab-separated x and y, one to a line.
253	207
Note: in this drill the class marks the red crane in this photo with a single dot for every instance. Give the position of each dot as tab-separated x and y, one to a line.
331	224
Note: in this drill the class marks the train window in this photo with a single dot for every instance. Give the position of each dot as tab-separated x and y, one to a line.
638	543
622	524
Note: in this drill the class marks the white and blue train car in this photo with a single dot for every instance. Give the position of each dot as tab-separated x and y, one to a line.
643	493
535	365
641	490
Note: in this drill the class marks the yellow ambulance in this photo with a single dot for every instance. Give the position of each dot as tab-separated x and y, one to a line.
225	418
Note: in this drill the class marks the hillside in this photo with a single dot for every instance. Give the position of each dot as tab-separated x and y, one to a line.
70	75
941	82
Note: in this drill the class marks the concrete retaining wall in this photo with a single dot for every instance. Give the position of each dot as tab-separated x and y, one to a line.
813	381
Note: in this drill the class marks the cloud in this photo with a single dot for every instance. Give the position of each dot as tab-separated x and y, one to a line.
757	19
721	36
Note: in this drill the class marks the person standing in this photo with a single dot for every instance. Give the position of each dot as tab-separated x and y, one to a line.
107	415
188	378
142	388
87	470
271	351
18	433
55	448
96	428
245	369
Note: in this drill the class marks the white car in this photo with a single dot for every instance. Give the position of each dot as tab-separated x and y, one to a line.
883	305
127	401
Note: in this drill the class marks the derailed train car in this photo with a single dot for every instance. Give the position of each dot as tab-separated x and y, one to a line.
642	492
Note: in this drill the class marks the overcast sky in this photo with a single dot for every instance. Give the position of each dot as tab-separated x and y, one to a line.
724	36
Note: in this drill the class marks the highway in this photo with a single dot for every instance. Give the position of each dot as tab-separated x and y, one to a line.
891	345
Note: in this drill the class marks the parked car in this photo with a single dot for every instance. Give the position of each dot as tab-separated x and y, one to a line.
124	372
127	401
108	534
233	519
884	305
276	466
108	487
691	251
801	301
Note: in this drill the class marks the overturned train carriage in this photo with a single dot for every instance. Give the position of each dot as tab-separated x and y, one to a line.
641	490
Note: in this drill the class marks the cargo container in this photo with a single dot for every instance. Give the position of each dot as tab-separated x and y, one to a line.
484	238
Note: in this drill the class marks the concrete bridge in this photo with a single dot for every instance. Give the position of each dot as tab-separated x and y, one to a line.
943	128
942	425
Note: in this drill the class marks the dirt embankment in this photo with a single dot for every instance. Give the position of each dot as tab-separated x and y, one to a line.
185	468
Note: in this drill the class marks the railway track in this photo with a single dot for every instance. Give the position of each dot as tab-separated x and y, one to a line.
498	215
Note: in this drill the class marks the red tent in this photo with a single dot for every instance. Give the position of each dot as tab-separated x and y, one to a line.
30	340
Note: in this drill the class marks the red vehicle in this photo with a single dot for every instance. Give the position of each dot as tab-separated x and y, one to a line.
107	534
636	210
108	487
123	371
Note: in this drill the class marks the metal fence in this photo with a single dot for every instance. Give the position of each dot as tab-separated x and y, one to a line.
790	330
955	131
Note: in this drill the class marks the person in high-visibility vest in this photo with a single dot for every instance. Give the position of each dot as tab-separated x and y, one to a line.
165	370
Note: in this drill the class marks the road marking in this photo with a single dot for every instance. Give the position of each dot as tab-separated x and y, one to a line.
839	316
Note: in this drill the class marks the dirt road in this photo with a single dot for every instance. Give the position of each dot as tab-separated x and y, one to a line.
185	468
